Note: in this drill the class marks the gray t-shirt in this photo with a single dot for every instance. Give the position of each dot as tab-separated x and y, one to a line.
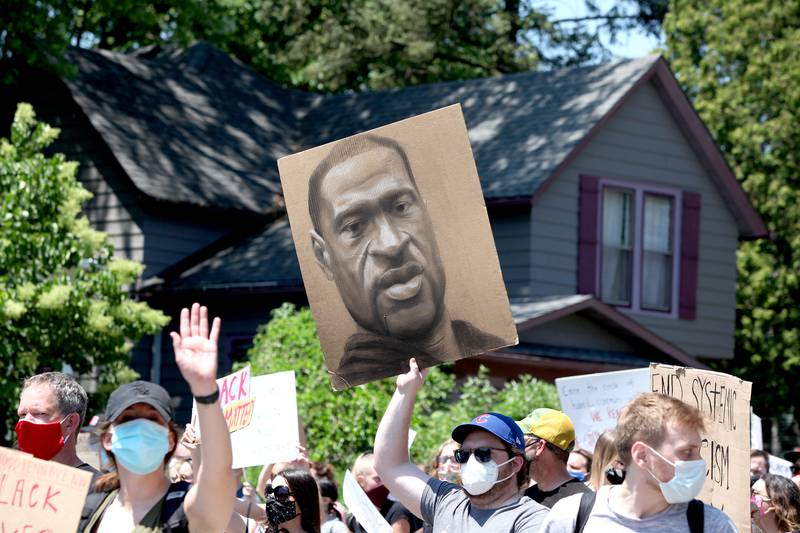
604	519
446	507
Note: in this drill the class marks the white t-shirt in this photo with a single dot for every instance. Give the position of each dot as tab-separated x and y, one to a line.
604	519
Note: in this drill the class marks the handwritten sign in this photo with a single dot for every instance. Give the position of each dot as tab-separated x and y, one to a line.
39	496
725	402
593	401
235	400
362	508
779	466
272	433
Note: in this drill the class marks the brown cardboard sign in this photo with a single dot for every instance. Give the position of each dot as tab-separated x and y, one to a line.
395	248
37	495
725	402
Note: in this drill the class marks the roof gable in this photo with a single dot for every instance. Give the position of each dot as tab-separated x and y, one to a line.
537	313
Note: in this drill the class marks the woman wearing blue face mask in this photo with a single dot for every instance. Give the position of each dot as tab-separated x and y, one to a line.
139	437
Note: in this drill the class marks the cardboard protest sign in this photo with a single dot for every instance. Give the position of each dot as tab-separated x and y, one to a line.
40	496
272	435
235	400
395	248
593	401
725	401
359	504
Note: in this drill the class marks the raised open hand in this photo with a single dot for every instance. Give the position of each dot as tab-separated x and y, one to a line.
196	350
412	381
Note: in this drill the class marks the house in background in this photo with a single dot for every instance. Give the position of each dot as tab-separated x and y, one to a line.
615	216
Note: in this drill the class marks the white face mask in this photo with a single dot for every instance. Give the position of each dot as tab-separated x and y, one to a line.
687	482
477	478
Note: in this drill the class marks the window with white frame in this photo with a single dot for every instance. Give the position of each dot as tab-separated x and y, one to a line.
638	263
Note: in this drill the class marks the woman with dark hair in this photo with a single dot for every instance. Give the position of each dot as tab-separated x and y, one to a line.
775	504
298	487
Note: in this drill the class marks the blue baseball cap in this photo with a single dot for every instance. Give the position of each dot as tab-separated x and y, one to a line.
501	426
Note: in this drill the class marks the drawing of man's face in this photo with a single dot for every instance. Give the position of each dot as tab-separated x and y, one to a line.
376	242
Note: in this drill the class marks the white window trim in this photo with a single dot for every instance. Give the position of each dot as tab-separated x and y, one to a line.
640	189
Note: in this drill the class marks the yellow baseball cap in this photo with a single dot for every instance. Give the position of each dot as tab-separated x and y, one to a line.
553	426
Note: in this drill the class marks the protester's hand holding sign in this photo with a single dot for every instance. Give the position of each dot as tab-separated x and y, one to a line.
405	481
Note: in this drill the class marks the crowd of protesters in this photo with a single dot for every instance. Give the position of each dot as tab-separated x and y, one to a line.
494	474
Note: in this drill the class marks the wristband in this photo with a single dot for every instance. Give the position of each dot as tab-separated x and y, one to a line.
209	399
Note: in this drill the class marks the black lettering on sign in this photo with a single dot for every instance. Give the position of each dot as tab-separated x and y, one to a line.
719	463
669	384
715	400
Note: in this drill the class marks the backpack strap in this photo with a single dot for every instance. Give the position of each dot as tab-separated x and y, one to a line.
585	509
173	516
695	516
93	508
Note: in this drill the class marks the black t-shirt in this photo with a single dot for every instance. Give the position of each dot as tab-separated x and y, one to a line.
392	512
550	497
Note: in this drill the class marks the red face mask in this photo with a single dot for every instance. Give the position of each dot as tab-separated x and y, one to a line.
378	495
44	441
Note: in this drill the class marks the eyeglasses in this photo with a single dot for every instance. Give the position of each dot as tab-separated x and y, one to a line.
281	493
442	459
482	454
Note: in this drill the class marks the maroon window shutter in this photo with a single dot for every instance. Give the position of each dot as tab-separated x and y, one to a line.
589	205
690	254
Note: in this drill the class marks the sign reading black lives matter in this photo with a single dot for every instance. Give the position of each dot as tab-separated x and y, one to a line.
725	402
395	248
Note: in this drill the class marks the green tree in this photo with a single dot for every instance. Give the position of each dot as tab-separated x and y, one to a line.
340	425
63	299
739	62
325	45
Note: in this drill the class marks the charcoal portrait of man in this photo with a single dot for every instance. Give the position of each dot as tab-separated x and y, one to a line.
372	236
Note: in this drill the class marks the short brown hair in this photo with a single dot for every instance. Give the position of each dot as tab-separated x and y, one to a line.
645	419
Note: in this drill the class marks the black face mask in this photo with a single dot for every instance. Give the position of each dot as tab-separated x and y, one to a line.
615	476
279	512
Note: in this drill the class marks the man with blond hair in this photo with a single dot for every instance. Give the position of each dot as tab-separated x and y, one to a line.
658	440
400	518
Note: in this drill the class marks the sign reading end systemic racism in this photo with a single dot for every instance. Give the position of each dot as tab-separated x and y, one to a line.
395	248
725	402
40	496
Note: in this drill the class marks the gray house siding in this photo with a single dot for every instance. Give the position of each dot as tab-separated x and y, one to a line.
642	143
513	243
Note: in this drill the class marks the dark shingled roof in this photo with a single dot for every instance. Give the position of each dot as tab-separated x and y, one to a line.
194	127
264	261
198	127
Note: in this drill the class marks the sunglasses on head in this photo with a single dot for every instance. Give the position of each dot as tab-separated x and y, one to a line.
482	454
281	493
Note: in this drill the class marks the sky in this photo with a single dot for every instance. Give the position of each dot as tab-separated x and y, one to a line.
629	44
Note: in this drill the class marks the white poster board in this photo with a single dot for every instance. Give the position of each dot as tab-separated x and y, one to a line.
756	436
780	466
593	401
359	504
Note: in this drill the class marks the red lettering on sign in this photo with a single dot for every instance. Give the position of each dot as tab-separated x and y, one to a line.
47	498
242	383
2	483
30	496
18	491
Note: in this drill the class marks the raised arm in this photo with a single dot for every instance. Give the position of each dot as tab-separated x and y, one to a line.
209	503
405	481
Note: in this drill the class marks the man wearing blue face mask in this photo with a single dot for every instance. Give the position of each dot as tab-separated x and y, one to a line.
658	440
493	470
